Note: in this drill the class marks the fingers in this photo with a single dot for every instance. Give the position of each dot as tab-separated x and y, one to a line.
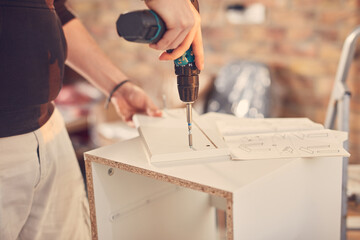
198	50
144	104
139	102
193	38
134	100
183	29
127	112
171	39
152	110
179	22
180	50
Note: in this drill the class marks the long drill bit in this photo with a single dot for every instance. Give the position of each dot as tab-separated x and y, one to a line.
189	121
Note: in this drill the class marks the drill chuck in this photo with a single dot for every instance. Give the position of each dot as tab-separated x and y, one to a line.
187	82
188	87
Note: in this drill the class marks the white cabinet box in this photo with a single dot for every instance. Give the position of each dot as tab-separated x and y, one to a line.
132	199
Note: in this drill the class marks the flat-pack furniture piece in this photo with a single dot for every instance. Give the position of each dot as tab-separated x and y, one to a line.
131	198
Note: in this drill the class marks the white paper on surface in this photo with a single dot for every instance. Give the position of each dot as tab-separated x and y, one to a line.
265	125
318	143
278	138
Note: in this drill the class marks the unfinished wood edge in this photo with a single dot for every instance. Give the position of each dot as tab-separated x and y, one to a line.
162	177
229	219
91	197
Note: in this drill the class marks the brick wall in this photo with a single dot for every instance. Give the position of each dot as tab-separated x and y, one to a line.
300	41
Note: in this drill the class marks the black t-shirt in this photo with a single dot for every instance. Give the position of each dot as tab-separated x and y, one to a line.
32	56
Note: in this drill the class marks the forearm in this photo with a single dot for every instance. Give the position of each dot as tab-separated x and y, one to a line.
86	58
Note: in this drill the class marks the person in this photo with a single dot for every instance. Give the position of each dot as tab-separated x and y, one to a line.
42	195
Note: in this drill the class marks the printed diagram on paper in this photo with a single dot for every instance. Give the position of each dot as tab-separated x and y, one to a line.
280	138
239	126
287	144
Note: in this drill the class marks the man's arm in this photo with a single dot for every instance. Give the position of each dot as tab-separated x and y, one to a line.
86	57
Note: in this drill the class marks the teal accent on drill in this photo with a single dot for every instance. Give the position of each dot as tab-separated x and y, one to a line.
185	59
158	24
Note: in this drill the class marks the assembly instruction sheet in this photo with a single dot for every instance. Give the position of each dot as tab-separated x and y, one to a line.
277	137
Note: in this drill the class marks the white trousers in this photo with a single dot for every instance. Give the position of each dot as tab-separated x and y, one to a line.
42	194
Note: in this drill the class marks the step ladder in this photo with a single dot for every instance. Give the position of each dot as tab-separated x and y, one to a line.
339	112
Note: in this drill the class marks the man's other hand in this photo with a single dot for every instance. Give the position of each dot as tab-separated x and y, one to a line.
130	99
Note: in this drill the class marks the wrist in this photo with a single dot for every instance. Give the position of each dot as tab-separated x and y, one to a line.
114	90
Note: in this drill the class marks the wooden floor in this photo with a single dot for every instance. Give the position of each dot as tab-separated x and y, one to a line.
353	210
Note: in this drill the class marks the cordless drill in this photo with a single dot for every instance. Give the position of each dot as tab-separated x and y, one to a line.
145	26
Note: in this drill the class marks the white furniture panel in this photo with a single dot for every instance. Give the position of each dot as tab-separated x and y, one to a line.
264	199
